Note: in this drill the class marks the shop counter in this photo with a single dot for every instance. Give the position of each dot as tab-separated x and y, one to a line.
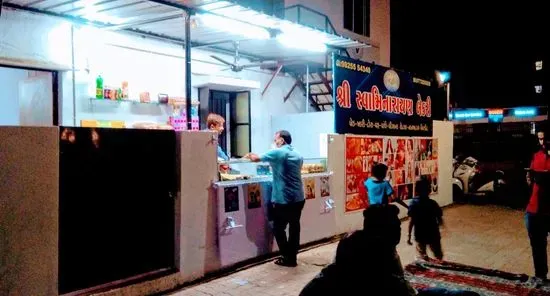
264	179
244	226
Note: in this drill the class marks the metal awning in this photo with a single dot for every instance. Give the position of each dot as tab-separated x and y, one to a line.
164	19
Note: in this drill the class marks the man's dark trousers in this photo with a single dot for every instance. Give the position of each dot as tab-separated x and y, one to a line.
283	215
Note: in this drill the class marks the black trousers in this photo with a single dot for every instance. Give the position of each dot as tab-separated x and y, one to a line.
538	227
283	215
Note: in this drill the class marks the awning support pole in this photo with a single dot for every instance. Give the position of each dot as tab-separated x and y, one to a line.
448	100
188	100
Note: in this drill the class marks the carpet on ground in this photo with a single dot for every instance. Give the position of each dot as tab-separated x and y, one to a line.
456	276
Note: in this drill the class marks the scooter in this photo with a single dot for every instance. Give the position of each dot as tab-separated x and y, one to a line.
470	181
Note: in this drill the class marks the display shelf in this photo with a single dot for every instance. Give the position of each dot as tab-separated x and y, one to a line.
239	160
263	179
92	100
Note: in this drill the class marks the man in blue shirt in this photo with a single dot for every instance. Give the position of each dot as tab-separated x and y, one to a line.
287	196
215	123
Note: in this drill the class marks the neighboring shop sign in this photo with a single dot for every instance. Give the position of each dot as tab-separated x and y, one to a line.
406	158
375	100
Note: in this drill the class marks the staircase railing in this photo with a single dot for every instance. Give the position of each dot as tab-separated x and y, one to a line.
309	17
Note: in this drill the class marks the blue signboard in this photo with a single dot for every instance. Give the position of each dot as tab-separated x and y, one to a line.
468	114
525	112
375	100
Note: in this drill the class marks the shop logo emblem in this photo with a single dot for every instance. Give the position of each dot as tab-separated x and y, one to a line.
391	80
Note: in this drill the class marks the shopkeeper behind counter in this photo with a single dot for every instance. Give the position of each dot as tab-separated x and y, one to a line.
215	123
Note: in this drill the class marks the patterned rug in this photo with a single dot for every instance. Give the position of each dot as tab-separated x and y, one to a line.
456	276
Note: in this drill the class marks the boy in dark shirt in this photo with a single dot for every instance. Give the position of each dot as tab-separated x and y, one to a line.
426	217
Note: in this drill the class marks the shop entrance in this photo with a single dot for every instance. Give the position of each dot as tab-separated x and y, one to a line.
28	97
235	108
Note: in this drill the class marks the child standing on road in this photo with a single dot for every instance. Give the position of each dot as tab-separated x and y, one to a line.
425	217
379	190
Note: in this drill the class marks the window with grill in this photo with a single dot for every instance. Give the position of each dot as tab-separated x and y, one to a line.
357	16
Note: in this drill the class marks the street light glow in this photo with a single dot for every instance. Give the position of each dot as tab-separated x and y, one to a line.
443	77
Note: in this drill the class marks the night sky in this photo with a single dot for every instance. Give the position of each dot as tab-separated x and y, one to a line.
490	50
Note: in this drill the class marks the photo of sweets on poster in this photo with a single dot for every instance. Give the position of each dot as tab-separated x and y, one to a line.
325	186
309	188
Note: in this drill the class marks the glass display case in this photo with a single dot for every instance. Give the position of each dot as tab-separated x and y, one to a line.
244	171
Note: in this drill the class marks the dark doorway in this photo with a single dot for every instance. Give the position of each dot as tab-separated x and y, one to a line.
219	103
235	108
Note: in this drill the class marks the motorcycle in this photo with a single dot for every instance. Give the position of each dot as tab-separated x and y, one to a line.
470	181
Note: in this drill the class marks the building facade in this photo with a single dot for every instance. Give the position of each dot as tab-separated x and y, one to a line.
350	18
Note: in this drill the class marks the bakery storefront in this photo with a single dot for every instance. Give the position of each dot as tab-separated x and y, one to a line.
391	118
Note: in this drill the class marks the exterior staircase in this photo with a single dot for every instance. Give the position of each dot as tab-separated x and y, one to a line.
319	86
320	83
